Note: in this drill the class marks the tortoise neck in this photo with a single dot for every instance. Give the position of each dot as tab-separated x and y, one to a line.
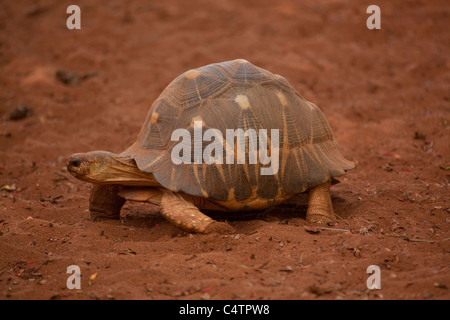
123	170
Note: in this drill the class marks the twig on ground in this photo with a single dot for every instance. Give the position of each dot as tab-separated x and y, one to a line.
333	229
342	219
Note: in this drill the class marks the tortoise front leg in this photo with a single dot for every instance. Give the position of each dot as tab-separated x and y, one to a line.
320	208
187	216
104	201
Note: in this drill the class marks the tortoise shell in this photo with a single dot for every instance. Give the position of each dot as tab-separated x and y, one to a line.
232	95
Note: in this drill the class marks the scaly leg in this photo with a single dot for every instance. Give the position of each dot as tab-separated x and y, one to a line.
320	208
188	217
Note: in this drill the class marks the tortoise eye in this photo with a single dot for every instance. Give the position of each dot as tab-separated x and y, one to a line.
75	163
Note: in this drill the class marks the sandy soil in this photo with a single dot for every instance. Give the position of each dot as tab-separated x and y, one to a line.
384	92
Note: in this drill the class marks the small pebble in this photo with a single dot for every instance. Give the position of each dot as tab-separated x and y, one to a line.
20	112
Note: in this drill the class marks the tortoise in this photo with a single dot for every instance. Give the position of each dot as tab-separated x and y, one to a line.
223	96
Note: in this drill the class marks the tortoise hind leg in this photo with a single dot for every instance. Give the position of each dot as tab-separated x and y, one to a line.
187	216
320	208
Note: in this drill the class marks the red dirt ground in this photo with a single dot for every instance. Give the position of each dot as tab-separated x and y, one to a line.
385	93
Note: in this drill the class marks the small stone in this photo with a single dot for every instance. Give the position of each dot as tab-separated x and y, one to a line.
20	112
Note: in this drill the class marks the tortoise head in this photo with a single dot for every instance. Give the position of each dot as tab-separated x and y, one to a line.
102	167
